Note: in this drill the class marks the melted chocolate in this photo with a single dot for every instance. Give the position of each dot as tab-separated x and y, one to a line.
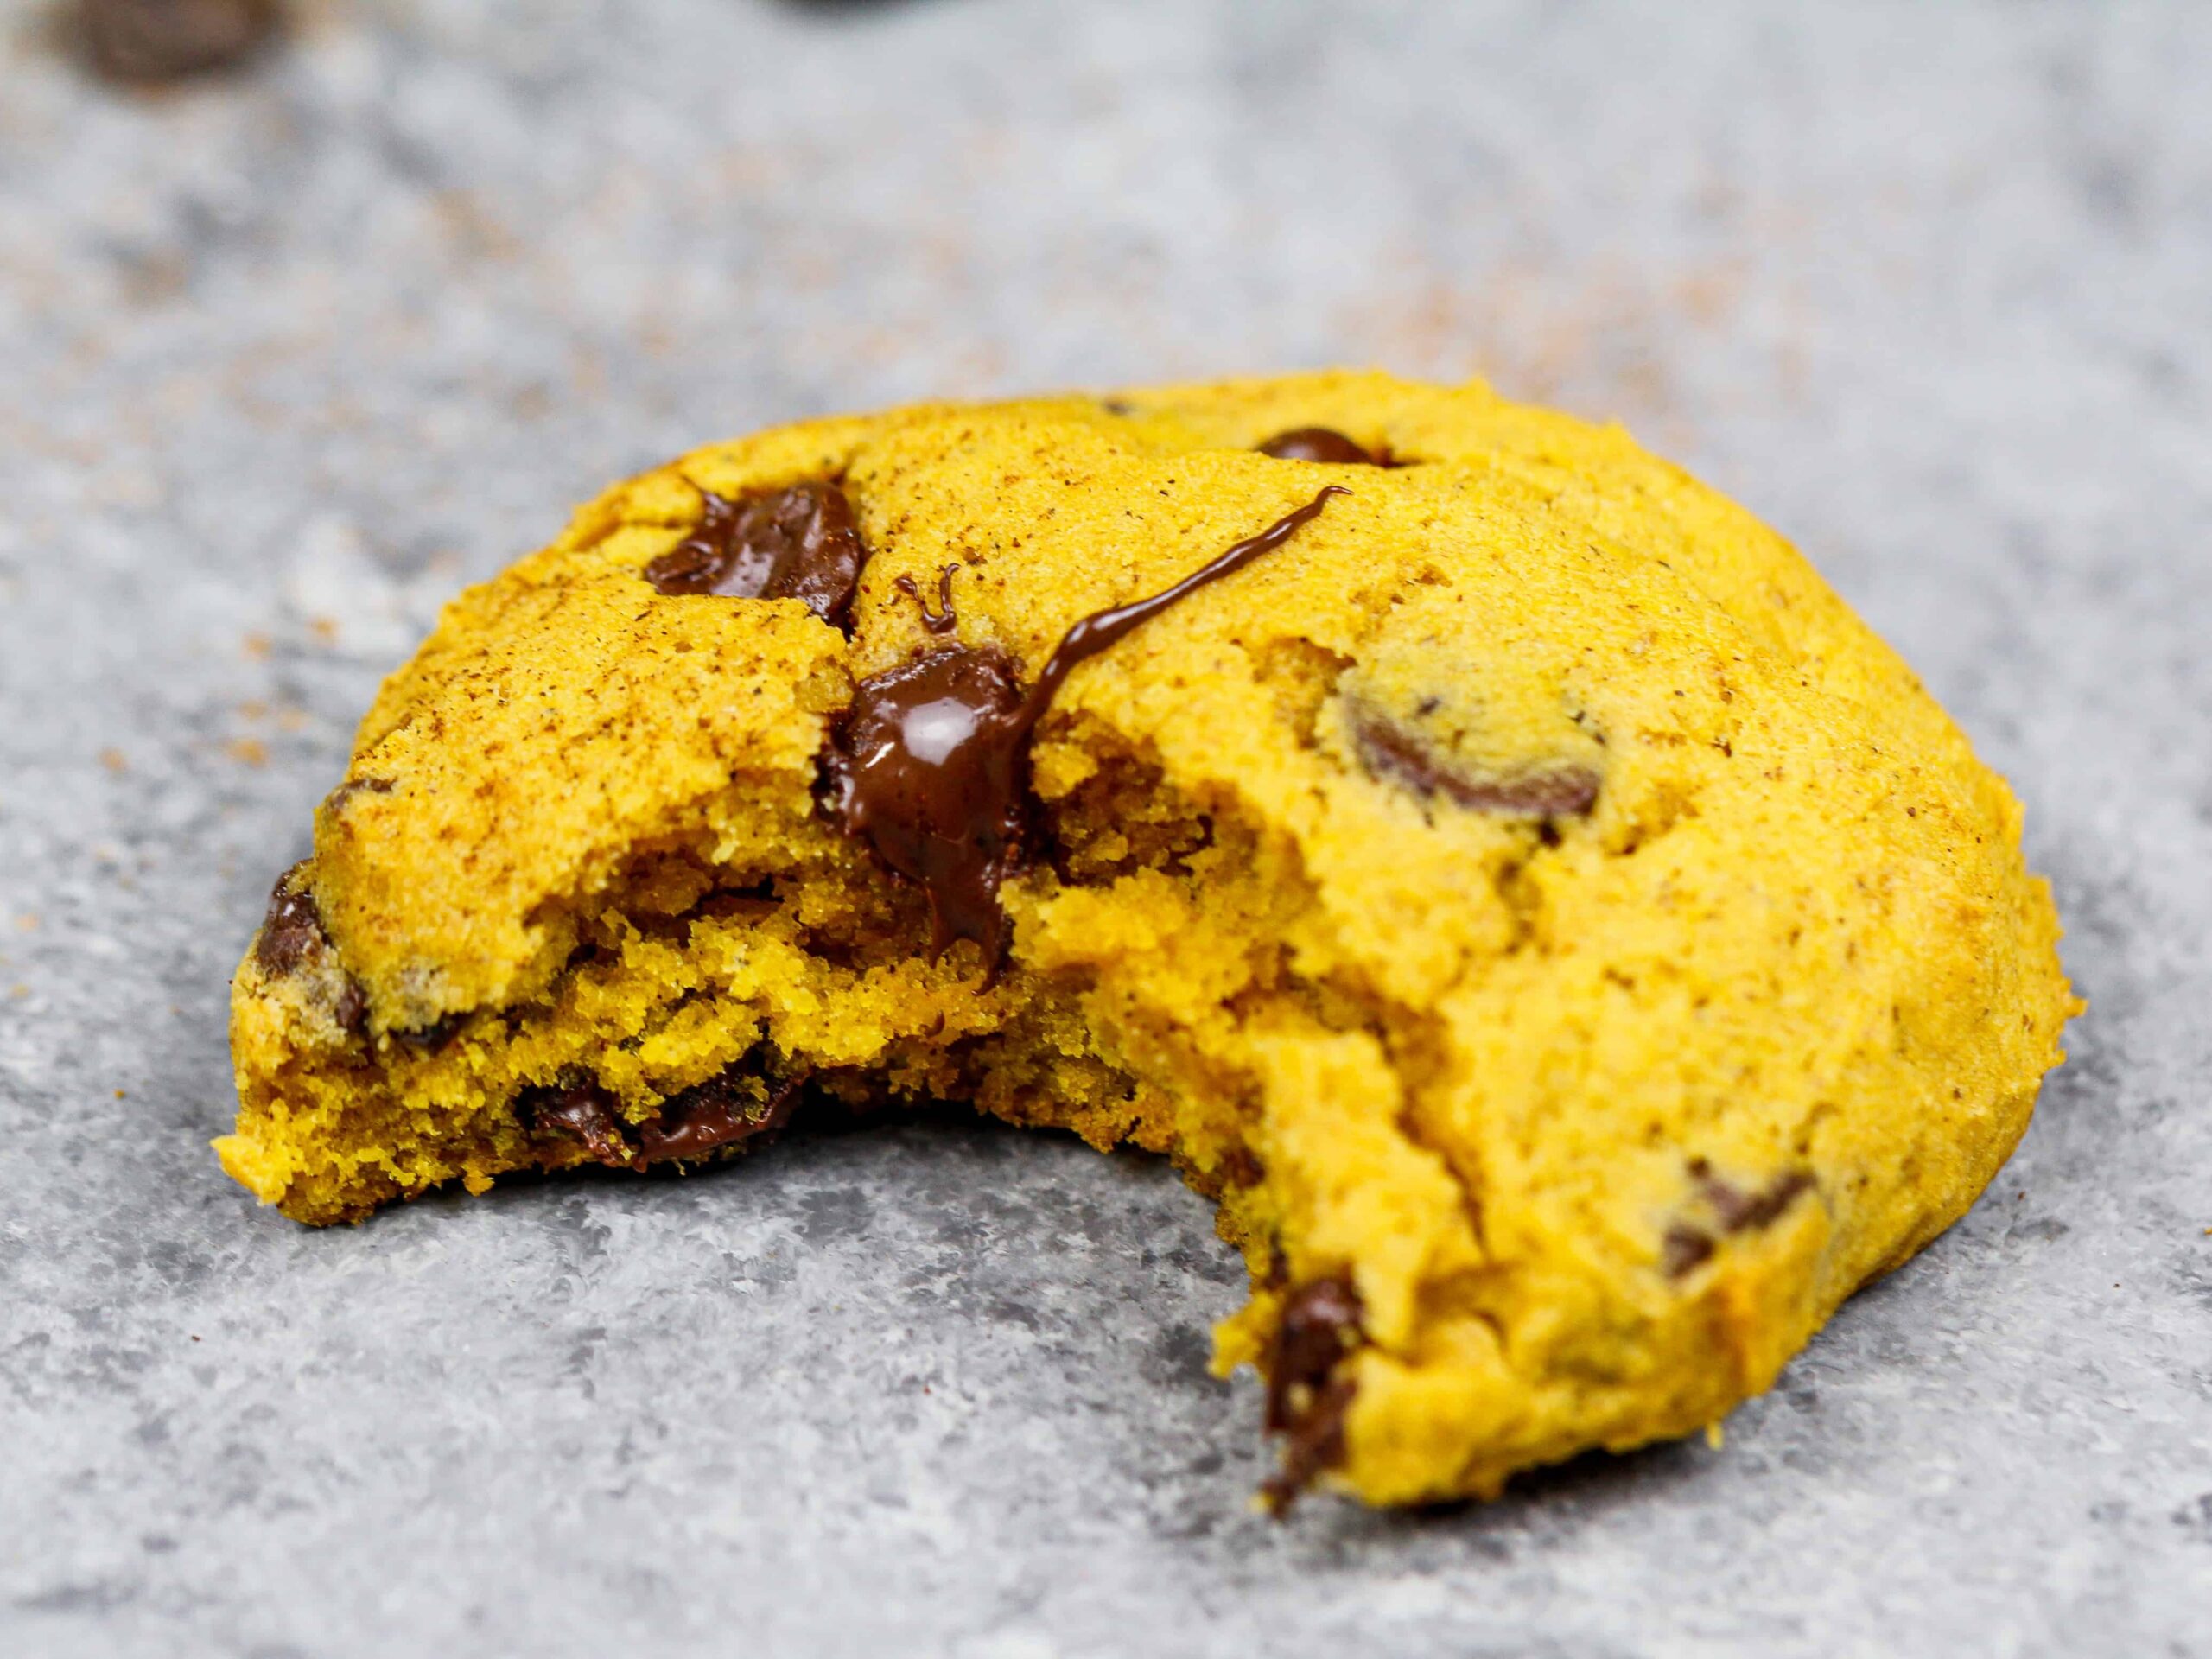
1391	751
1307	1400
293	929
797	543
292	934
1321	443
715	1115
581	1112
942	620
929	765
691	1125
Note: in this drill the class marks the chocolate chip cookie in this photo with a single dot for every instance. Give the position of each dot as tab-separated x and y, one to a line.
1572	949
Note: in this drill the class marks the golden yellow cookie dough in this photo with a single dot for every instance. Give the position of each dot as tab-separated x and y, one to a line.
1589	1100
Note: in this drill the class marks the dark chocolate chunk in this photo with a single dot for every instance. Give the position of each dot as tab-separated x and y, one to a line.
1734	1211
338	798
292	935
434	1036
1307	1400
1321	443
700	1120
716	1114
351	1010
926	766
1241	1166
942	620
929	764
1390	751
1685	1248
150	42
293	931
1740	1212
797	543
583	1112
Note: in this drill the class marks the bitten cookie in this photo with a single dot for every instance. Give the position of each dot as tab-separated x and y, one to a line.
1573	952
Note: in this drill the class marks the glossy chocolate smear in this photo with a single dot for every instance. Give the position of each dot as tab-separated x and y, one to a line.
797	543
1307	1400
1390	751
1322	443
929	764
926	767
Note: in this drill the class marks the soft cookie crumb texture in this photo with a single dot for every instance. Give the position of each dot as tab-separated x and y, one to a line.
1572	949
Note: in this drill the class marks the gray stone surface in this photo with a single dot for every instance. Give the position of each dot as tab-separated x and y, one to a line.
284	360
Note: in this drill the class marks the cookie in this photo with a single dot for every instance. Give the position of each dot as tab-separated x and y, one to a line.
1572	950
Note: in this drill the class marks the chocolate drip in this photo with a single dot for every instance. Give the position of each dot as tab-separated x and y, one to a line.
1307	1400
929	765
1321	443
942	620
797	543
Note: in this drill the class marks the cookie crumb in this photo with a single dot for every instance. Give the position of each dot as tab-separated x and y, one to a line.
154	42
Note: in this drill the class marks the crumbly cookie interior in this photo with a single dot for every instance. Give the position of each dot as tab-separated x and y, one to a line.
1572	950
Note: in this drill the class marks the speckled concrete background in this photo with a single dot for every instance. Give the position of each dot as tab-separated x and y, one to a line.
284	360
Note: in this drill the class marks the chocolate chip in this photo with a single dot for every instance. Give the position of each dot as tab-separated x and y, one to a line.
1241	1166
1684	1248
1315	1442
1320	443
430	1038
337	800
1307	1400
292	931
581	1111
691	1125
797	543
351	1010
150	42
929	764
715	1114
1740	1212
1390	753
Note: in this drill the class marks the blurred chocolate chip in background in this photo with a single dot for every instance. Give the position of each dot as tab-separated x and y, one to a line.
148	42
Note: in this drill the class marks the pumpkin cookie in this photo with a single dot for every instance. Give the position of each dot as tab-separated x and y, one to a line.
1573	952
